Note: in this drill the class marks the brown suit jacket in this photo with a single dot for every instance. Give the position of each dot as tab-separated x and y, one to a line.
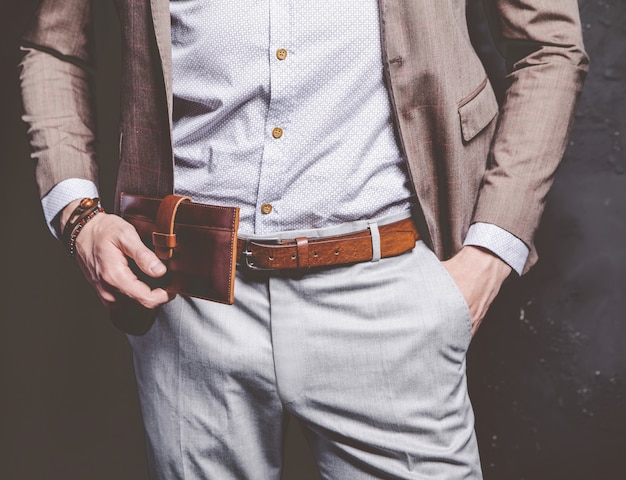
467	162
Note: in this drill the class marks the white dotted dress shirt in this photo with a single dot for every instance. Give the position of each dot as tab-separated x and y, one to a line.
280	108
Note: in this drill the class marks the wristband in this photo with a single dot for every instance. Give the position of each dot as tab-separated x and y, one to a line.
85	211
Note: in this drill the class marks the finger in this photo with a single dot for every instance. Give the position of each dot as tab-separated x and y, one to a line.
109	304
110	297
121	278
132	246
107	297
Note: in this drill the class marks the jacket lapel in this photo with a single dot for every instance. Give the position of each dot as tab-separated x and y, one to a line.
162	30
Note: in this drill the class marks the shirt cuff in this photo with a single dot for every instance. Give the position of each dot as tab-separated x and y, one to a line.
63	193
499	242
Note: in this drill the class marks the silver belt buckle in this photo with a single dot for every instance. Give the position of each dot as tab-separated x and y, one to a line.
249	263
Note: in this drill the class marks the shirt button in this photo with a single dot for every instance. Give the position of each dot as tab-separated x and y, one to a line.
266	208
281	54
277	132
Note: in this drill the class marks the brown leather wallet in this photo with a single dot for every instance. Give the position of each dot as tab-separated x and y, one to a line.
197	242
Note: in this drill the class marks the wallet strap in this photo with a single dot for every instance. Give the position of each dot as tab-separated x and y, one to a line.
164	238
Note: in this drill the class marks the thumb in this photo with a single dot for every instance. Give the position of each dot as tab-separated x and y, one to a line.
146	260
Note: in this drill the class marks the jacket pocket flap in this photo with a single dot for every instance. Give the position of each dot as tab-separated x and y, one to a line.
477	110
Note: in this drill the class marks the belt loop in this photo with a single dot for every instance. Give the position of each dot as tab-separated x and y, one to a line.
375	241
302	248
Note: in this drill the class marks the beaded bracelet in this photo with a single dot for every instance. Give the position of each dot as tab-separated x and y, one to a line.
85	211
71	246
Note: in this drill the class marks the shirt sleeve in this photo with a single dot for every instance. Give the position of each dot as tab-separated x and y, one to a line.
63	193
500	242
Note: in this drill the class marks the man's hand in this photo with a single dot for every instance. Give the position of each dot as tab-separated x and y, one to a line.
102	249
479	275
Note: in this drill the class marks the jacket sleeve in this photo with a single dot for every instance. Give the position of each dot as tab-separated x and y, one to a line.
541	41
56	92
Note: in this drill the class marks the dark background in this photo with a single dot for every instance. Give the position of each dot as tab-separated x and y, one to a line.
547	370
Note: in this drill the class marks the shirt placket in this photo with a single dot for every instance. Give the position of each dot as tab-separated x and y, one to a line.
269	214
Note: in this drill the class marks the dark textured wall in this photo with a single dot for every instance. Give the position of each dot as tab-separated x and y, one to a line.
547	370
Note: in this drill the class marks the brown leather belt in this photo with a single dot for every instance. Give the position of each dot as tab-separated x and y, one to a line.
395	238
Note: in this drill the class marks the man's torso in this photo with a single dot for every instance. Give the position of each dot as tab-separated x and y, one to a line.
280	107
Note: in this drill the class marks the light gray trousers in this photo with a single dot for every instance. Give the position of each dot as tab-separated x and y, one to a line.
370	357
